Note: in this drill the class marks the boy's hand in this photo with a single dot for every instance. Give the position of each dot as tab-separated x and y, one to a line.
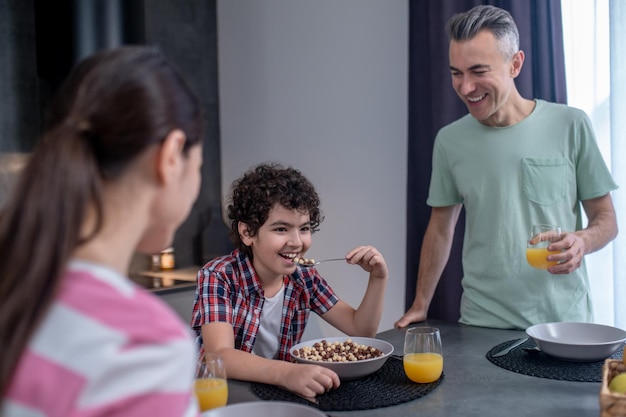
310	380
368	258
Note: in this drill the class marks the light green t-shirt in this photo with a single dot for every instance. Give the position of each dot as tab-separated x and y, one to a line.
536	171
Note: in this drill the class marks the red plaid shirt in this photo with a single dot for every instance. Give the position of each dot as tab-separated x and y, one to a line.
228	290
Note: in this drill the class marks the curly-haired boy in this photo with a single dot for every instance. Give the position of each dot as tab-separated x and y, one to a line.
252	305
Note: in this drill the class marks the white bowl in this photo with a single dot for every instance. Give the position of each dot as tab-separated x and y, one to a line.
264	409
350	370
580	342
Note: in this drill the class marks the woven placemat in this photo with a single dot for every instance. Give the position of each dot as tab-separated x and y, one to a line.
386	387
542	365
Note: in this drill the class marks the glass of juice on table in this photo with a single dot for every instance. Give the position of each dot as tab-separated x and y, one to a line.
211	387
541	236
423	357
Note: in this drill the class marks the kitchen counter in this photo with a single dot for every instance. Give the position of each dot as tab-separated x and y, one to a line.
168	278
473	386
187	274
176	287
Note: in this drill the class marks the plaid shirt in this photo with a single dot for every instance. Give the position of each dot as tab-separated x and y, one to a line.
228	290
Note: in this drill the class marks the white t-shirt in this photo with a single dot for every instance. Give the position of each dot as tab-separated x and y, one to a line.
266	343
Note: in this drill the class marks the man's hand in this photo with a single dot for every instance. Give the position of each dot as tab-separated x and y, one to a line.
570	257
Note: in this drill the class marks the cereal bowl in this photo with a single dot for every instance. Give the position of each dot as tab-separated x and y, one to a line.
349	369
578	342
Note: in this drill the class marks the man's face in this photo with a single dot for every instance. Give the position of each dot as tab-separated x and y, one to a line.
483	78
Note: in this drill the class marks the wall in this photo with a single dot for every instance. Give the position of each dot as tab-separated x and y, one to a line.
322	86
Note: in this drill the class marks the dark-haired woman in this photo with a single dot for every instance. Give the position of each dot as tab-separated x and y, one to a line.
116	171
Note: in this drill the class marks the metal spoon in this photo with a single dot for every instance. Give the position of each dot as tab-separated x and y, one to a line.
313	262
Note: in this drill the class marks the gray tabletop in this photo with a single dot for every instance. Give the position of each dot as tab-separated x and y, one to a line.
473	386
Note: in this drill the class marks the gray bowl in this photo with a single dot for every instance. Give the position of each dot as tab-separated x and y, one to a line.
578	342
264	409
350	370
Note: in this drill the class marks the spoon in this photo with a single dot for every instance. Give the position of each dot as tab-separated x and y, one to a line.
313	262
510	347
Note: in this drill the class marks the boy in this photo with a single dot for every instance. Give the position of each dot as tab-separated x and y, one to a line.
252	305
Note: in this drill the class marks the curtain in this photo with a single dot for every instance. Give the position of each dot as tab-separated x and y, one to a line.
433	104
617	34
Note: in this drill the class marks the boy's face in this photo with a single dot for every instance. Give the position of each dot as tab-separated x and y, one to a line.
285	235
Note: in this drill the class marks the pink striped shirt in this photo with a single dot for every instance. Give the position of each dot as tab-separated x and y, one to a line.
105	348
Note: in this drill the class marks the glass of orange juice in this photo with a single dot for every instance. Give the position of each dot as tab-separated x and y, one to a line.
210	386
423	357
541	236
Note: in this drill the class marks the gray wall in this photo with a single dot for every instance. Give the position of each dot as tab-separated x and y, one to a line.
322	85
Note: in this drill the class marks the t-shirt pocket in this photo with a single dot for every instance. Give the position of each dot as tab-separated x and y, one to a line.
543	179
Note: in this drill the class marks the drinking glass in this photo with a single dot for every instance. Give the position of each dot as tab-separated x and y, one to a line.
423	357
541	236
211	387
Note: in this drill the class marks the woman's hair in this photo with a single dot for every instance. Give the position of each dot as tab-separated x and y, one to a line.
464	26
111	108
260	189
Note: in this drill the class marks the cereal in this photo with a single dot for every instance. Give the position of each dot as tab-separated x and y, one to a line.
304	261
346	351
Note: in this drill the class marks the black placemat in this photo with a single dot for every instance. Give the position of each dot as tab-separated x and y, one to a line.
386	387
542	365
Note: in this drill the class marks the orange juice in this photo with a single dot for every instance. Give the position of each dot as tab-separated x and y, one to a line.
536	257
211	393
423	367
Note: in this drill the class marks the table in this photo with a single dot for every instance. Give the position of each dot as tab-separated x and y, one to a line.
473	386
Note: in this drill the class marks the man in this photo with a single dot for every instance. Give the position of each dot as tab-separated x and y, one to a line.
511	162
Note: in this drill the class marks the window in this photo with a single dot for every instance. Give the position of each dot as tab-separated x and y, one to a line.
587	34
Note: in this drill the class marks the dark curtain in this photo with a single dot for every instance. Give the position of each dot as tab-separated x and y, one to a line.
69	30
433	104
47	37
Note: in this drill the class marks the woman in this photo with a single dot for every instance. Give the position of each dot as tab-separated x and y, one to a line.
116	171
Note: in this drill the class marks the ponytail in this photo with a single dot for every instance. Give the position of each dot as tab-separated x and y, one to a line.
39	229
